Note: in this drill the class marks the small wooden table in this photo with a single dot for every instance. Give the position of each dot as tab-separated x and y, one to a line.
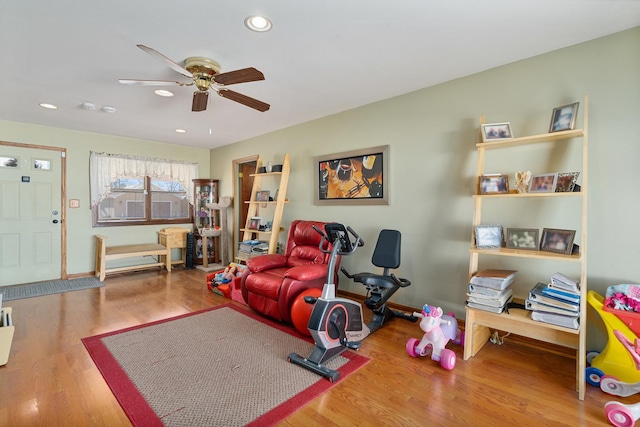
175	237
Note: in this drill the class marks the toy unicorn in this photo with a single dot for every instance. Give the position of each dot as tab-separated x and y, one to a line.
438	330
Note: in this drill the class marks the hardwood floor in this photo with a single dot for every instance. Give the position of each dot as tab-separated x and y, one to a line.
50	379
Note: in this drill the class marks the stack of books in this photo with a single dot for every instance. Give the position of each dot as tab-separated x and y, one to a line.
557	303
251	248
490	290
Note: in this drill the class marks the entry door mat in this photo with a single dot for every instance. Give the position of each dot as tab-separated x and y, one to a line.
223	366
30	290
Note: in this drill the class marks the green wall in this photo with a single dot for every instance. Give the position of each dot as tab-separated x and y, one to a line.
80	240
432	135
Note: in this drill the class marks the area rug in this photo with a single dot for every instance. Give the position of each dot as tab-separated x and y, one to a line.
30	290
223	366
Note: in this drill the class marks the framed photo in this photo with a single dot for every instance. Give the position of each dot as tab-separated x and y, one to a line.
359	177
488	236
494	184
262	196
564	118
522	238
254	223
560	241
566	181
496	131
543	183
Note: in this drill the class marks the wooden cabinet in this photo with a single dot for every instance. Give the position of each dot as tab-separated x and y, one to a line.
206	191
267	210
519	322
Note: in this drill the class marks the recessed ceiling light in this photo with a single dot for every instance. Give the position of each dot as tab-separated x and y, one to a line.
258	23
163	92
181	131
49	106
108	109
88	106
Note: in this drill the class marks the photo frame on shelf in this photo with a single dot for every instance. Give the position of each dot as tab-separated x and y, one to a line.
557	240
263	196
359	177
564	118
545	183
254	223
522	238
488	236
494	184
496	131
566	182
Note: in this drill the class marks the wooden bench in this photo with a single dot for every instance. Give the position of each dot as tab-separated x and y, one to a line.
105	253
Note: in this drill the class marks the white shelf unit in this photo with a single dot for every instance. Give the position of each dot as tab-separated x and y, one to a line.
519	322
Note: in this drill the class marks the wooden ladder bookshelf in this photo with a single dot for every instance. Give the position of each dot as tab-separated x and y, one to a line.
259	180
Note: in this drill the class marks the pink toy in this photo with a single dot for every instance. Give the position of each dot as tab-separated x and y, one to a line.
438	330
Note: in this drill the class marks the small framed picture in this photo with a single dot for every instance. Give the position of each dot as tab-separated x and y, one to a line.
494	184
488	236
522	238
254	223
564	118
262	196
566	181
496	131
543	183
559	241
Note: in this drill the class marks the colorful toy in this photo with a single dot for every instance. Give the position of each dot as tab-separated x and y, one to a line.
224	277
621	415
438	330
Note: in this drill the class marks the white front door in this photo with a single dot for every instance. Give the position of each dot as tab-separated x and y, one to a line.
30	215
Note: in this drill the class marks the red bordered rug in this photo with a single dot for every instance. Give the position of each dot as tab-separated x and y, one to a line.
222	366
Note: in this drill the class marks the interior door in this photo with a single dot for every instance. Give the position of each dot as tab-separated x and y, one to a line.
30	215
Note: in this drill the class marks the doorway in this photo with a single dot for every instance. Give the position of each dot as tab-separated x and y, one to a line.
32	226
243	169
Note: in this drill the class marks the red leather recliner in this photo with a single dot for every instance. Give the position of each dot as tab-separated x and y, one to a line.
272	282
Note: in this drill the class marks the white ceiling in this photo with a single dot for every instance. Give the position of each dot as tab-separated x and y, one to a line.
320	58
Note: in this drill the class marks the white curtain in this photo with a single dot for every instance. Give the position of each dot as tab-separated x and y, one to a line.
106	168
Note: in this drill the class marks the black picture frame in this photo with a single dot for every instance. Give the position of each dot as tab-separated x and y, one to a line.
557	240
359	177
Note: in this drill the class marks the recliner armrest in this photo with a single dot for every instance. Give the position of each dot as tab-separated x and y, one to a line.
307	272
266	262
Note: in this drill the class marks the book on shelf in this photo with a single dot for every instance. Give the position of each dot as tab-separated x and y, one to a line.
537	295
493	301
494	278
489	308
561	281
553	292
556	319
540	306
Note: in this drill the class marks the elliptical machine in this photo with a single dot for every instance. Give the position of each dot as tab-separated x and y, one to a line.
335	324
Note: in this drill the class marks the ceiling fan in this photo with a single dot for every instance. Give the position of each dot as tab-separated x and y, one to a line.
205	74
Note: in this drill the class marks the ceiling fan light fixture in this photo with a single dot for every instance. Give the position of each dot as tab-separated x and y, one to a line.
258	23
163	92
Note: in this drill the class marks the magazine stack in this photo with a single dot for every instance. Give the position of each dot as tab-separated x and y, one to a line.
490	290
557	302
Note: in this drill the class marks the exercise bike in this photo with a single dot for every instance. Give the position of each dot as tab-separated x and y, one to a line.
335	324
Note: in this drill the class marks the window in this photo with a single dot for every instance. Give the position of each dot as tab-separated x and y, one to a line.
127	199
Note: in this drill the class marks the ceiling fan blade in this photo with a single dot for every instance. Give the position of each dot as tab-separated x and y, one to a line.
244	99
166	60
239	76
152	83
200	99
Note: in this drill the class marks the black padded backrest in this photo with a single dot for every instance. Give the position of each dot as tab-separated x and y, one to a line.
387	251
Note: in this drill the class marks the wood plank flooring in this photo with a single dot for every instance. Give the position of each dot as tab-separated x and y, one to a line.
50	380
